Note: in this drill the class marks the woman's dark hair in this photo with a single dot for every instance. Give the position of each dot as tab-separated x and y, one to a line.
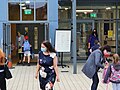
49	46
95	32
105	48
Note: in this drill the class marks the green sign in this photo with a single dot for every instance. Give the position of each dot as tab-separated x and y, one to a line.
27	11
93	15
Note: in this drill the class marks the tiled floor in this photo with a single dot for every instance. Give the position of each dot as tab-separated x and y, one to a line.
24	79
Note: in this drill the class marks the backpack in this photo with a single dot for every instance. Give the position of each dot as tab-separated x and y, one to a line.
26	46
115	75
105	71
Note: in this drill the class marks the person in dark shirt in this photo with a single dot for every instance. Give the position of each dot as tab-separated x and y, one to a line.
47	66
91	40
96	46
2	75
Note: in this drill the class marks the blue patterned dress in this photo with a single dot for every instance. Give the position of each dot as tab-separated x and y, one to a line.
46	63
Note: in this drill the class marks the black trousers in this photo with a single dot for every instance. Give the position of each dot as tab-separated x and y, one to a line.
2	81
95	80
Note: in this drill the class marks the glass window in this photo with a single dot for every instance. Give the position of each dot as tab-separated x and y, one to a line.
65	25
14	11
119	37
41	10
13	0
27	10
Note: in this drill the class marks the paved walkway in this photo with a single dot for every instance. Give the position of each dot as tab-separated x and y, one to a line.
24	79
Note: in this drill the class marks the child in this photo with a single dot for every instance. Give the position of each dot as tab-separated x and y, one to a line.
104	73
26	49
113	73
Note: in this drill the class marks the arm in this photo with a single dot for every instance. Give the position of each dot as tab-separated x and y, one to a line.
37	70
89	39
98	60
56	67
88	45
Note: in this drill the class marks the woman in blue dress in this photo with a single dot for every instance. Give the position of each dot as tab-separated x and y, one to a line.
47	66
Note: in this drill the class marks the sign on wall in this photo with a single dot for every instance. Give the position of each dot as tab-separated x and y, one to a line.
27	11
63	40
110	33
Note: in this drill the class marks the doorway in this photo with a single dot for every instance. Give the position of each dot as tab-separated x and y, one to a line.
104	27
37	33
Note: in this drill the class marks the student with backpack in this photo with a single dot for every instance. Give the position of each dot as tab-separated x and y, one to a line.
113	73
26	49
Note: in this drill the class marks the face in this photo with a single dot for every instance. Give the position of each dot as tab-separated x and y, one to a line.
43	48
106	53
18	34
94	30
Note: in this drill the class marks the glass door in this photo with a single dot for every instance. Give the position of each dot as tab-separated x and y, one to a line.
84	29
107	32
119	37
7	39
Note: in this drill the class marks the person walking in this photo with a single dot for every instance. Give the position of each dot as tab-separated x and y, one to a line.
47	66
26	49
91	40
113	73
2	75
93	64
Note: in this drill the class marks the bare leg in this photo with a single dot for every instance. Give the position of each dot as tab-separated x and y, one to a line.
28	59
24	59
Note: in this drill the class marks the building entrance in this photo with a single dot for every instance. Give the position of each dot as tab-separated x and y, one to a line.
84	28
107	32
36	32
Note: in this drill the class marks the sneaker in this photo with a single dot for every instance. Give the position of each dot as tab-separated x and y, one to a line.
28	64
19	62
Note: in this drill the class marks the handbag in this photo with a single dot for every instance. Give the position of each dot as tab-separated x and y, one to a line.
7	72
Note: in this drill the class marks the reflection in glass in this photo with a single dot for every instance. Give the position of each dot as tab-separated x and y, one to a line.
13	0
27	11
65	25
35	37
83	32
41	10
14	11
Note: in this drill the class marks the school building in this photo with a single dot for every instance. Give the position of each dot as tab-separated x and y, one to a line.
41	18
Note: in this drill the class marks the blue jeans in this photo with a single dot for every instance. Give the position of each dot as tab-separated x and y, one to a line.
95	80
116	86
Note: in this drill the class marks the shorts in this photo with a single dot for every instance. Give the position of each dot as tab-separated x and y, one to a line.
27	53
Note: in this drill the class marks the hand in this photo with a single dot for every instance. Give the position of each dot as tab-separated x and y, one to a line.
57	78
106	64
36	76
